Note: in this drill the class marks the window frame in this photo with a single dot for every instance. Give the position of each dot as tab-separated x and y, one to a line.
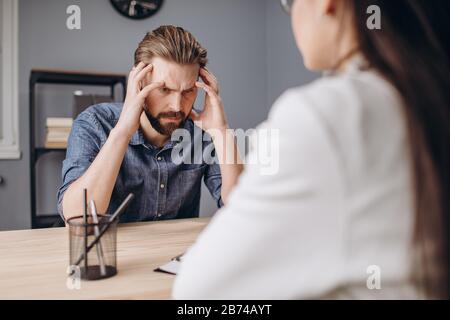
9	107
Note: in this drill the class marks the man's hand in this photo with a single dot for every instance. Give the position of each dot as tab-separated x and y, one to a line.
213	114
213	120
134	102
100	178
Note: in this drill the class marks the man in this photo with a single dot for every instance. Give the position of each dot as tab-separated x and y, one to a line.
115	149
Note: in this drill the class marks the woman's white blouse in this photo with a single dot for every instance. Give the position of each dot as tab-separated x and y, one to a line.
334	220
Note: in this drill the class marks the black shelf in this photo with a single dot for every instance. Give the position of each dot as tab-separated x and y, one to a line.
62	77
41	151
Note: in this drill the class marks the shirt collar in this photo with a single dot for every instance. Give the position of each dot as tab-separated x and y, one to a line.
356	64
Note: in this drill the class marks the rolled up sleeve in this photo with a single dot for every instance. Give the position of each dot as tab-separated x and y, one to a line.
84	144
213	181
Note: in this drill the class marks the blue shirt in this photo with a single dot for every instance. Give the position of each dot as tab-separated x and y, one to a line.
163	188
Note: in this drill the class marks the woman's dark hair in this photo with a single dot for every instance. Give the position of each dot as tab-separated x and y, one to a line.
412	51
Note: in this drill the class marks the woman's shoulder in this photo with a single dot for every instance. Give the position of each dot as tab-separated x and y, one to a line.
338	96
358	116
347	105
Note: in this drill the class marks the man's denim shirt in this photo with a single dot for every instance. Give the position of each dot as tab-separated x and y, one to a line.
163	189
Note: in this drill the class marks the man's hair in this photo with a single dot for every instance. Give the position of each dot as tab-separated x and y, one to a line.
173	44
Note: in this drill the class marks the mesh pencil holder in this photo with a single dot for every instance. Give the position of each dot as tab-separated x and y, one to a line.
93	247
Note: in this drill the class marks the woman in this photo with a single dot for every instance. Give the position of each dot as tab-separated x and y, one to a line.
359	206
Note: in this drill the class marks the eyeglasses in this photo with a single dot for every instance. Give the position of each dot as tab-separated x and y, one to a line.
287	5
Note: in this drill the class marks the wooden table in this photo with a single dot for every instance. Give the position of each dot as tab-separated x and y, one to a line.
33	263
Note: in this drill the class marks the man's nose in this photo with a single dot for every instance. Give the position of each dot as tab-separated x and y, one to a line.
175	103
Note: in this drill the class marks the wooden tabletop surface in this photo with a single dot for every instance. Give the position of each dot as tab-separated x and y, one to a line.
33	263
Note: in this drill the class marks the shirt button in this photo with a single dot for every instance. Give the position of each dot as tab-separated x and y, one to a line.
159	158
162	185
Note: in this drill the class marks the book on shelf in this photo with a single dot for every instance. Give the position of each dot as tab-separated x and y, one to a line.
56	145
59	123
57	133
58	130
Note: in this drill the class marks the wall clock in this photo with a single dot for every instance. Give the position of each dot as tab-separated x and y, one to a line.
137	9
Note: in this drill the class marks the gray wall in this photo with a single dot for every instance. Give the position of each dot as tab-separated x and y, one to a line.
1	68
284	64
251	52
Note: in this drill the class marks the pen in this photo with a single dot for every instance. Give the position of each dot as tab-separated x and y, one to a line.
98	247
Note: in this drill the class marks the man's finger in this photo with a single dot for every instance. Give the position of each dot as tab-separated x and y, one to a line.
130	81
132	71
142	74
136	69
152	86
132	75
209	79
211	94
139	67
210	91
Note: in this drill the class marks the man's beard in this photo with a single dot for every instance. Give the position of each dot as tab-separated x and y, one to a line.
168	128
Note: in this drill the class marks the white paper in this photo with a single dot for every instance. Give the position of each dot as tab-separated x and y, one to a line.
172	266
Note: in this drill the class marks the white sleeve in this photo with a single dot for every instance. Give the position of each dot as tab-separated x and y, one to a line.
280	235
